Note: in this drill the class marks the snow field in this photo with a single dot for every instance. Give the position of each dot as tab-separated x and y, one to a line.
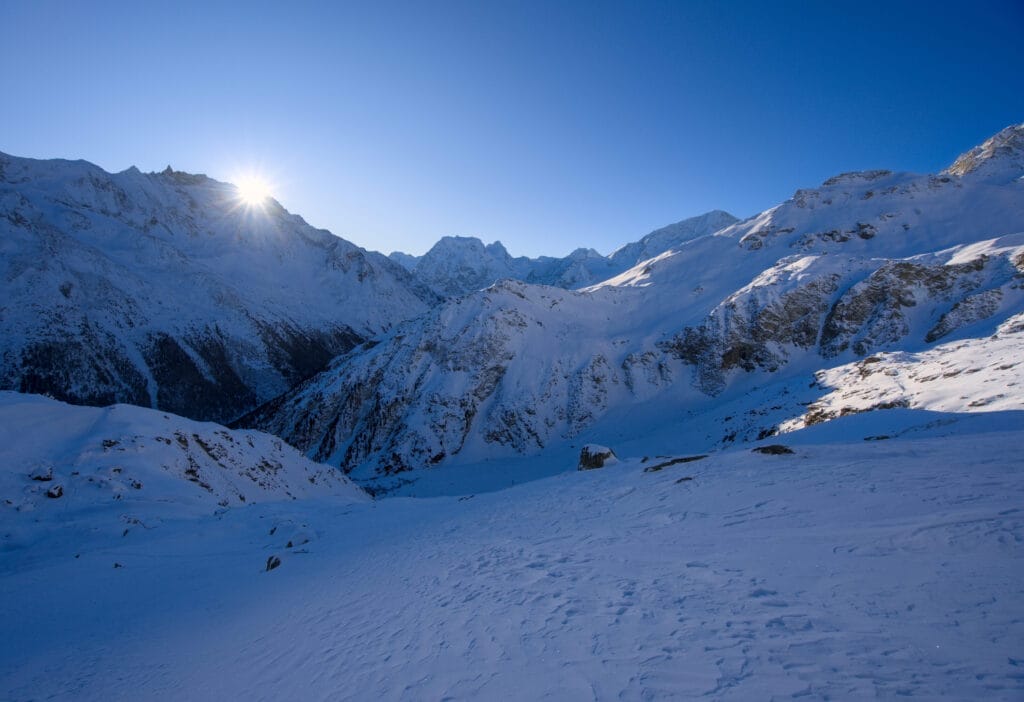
843	571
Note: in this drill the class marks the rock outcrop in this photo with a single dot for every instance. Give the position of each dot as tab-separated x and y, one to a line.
595	456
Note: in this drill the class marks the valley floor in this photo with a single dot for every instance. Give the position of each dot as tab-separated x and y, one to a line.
863	570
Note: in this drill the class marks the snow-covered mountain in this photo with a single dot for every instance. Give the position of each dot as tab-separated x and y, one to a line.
165	290
458	265
124	468
667	238
869	262
872	327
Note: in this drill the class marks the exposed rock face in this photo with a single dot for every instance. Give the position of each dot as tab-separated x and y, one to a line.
595	456
163	290
754	328
873	313
969	310
839	311
1003	153
418	397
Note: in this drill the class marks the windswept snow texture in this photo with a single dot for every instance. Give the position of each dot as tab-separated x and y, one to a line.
457	265
870	262
165	290
845	570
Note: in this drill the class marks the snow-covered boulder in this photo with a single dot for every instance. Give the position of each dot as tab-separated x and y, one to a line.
596	456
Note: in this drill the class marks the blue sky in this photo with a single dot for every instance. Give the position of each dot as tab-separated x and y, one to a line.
548	125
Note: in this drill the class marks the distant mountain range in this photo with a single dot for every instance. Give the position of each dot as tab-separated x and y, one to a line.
458	265
163	290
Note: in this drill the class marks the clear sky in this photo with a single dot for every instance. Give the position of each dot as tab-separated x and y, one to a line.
547	125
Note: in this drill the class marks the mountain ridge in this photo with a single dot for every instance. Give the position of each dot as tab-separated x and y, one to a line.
868	262
457	265
165	290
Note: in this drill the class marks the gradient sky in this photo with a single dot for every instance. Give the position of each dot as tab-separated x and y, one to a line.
547	125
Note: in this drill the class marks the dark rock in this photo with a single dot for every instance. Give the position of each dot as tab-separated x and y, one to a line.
55	492
595	456
674	461
43	474
273	562
773	449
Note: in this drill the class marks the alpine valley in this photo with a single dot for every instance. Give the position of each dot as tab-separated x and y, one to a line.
712	342
243	458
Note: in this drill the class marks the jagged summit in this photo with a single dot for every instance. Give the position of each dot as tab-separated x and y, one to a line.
457	265
852	177
1001	154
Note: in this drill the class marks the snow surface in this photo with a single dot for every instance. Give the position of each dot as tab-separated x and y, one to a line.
849	569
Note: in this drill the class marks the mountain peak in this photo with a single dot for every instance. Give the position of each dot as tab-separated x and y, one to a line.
498	250
1003	152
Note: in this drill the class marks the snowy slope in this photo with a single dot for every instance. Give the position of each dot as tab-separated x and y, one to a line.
97	477
458	265
164	290
867	263
845	570
972	375
131	460
670	237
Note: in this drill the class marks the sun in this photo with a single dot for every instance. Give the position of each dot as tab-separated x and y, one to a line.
252	189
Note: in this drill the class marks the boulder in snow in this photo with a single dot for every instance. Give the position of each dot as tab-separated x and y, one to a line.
596	456
773	449
43	473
